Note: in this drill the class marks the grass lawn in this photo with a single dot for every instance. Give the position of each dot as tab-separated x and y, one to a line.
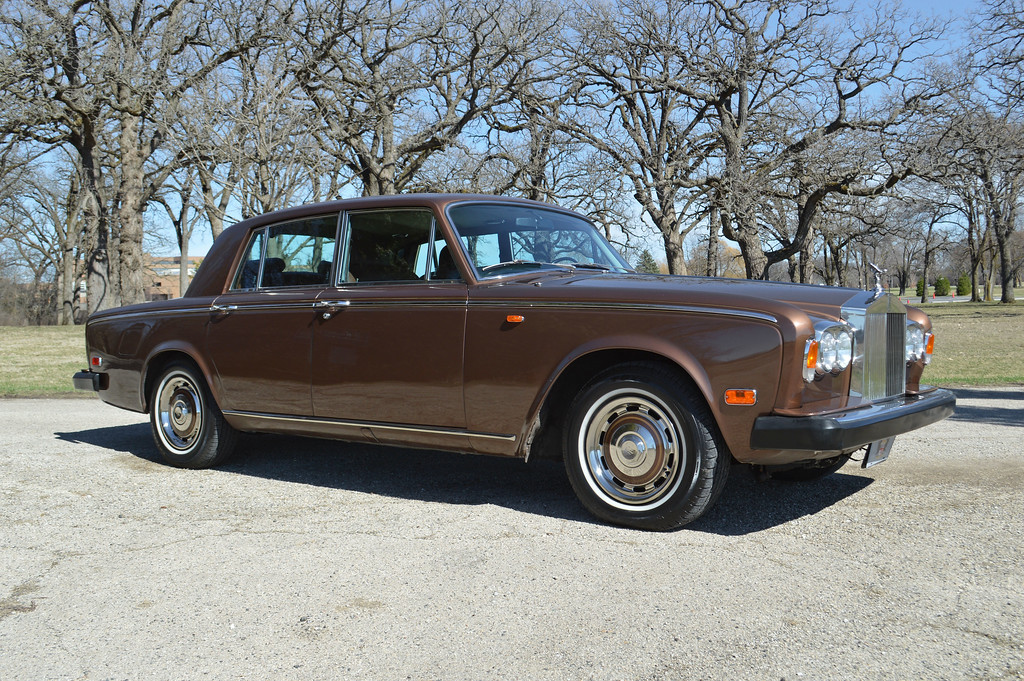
976	344
38	361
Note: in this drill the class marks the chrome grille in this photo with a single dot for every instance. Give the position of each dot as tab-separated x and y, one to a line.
879	366
896	353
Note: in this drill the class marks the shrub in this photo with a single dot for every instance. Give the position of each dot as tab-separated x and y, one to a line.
920	287
647	263
942	286
963	285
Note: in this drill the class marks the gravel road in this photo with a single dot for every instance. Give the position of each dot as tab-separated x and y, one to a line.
305	559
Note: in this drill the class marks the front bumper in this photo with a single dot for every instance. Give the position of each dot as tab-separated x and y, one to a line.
850	430
89	380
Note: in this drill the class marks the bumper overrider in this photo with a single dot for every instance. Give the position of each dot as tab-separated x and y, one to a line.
849	430
90	380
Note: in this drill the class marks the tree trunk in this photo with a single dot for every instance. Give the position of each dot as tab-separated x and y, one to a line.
183	268
130	267
711	267
674	252
1005	270
754	260
66	290
840	265
806	263
924	274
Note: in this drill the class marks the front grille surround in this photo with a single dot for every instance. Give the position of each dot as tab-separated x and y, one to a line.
879	369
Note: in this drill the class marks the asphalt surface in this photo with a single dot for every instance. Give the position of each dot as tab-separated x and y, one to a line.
306	559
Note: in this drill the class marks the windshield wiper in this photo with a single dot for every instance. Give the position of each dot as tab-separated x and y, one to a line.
592	266
537	263
507	263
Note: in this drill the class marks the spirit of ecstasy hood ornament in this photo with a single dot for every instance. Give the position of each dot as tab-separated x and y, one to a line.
878	290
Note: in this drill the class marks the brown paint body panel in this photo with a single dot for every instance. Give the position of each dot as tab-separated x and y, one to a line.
438	364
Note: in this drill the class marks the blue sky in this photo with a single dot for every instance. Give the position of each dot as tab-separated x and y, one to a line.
941	6
201	241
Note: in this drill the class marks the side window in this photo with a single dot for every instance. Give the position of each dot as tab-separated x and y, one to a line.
299	253
249	271
393	246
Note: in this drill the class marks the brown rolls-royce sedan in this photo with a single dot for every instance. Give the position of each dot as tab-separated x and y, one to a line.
510	327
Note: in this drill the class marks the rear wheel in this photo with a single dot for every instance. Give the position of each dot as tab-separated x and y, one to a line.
188	427
642	450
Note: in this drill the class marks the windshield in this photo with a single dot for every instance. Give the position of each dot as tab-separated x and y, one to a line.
502	239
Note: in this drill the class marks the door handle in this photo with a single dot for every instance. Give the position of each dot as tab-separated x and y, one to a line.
223	309
331	306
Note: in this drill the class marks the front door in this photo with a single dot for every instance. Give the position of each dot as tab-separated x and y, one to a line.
388	336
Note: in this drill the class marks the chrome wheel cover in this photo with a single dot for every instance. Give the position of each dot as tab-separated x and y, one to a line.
632	449
179	405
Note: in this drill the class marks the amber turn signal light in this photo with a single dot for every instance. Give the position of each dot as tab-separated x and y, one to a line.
742	397
515	318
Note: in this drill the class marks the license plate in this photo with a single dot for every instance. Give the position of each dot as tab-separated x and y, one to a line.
878	452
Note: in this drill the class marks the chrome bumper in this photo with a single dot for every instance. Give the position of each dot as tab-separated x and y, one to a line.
89	380
849	430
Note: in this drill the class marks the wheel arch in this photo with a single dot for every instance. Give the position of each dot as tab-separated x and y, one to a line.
162	357
550	410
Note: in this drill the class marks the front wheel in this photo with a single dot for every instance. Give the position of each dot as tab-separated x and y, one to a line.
189	429
642	449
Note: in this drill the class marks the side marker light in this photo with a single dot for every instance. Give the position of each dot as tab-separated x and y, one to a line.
742	397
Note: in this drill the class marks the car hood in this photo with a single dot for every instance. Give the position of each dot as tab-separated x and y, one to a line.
768	297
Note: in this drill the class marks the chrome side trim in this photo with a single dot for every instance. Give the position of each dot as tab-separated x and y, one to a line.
372	425
642	307
263	306
206	309
518	304
405	303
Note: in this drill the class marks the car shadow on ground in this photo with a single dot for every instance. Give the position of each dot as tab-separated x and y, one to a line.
1008	412
540	487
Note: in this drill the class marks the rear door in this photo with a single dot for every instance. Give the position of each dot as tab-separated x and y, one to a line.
260	333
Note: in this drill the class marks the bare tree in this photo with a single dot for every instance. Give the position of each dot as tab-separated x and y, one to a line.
980	162
56	98
394	83
930	219
177	197
633	104
789	91
153	57
105	79
40	219
248	134
999	47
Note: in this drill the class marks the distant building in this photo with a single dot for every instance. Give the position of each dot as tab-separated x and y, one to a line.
164	282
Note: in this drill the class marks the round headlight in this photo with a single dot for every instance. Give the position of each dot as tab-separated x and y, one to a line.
915	342
829	351
844	349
